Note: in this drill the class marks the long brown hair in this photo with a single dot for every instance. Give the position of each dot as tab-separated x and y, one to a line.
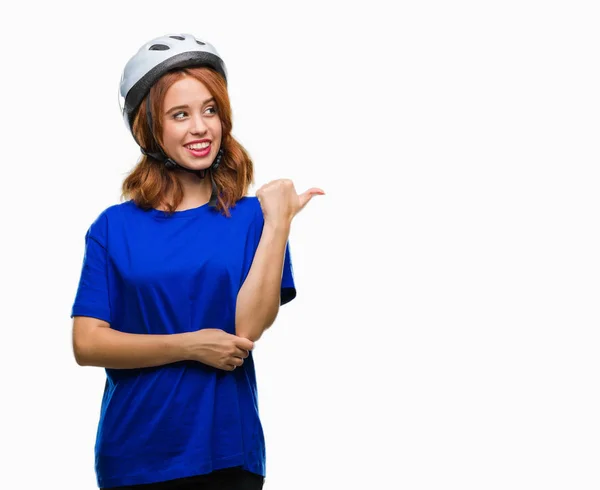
149	184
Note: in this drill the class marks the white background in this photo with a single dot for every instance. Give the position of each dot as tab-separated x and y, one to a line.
445	333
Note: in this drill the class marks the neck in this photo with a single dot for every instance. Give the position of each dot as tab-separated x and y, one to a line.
196	191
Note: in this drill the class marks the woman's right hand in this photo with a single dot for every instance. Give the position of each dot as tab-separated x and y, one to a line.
216	348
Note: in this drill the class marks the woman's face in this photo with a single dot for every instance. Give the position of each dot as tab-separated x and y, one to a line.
191	126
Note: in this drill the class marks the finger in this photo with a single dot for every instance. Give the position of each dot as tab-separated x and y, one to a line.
308	195
243	343
241	353
235	362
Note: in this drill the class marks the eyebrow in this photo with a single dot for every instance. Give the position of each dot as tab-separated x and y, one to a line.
185	106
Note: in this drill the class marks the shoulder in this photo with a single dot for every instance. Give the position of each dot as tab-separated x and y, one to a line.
117	211
111	215
249	206
248	202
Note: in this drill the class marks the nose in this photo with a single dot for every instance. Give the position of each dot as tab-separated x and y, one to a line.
197	124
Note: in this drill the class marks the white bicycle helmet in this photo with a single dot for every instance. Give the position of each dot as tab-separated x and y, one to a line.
157	57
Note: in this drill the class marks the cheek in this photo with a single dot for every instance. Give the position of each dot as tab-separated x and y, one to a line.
171	135
217	129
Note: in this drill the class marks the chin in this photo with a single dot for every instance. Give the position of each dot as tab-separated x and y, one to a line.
198	164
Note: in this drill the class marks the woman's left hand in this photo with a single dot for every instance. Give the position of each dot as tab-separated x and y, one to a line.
280	202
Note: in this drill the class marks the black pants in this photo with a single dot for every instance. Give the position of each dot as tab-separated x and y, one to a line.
227	479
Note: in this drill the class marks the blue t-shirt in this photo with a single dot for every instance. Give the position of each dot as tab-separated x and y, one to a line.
149	273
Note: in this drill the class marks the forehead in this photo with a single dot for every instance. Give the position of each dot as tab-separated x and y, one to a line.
185	91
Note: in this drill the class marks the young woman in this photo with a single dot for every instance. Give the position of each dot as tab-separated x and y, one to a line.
180	280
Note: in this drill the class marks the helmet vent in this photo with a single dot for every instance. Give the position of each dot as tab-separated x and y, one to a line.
159	47
200	43
179	38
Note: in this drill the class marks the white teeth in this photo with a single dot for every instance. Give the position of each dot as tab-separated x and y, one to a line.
199	146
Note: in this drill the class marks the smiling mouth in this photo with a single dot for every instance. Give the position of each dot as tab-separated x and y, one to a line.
198	146
198	150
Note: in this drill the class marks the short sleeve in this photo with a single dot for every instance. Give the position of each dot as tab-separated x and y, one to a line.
288	285
92	297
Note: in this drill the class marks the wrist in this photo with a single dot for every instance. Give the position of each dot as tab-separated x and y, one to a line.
278	227
179	346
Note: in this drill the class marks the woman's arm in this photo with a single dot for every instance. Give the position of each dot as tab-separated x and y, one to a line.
258	299
96	344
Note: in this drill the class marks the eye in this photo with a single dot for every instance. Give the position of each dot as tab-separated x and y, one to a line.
213	109
179	115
